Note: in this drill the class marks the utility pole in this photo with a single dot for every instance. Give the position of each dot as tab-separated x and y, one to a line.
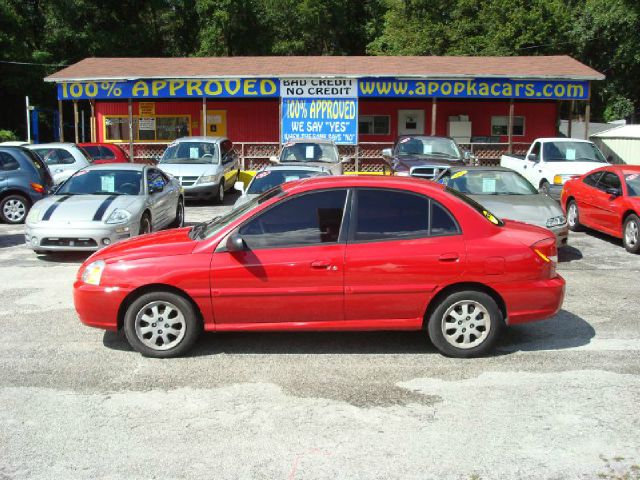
28	119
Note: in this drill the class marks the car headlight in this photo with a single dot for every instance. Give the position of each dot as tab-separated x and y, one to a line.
556	221
119	215
402	174
93	273
560	179
207	179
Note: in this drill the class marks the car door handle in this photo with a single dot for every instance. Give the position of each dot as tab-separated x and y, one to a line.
449	257
325	264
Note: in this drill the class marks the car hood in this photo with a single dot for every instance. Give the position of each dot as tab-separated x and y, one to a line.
83	208
572	168
171	242
533	209
189	169
410	161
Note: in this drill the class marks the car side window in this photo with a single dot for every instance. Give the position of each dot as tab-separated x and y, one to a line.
592	179
227	151
535	150
609	180
65	158
8	163
305	220
94	151
106	154
390	215
442	221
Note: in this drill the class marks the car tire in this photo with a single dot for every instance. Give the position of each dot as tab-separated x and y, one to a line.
145	224
178	221
631	234
220	192
161	325
14	209
544	188
465	324
573	216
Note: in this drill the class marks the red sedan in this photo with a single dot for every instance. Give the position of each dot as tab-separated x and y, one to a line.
106	153
608	200
328	253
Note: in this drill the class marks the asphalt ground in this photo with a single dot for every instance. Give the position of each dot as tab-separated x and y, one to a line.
558	400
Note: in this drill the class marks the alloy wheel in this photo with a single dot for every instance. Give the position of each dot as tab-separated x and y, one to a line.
572	214
631	234
160	325
14	210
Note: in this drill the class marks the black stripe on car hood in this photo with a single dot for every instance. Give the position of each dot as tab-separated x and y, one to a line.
52	208
103	207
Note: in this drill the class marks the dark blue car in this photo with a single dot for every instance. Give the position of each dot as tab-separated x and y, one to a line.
24	179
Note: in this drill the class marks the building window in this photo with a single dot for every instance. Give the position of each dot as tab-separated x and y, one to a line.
499	126
159	128
374	125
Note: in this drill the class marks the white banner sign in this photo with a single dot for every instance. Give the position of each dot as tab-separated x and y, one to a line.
318	88
147	123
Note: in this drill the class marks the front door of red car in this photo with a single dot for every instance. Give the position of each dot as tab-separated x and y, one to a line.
401	247
585	197
605	206
292	269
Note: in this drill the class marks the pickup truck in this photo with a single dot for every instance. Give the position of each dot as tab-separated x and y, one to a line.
552	161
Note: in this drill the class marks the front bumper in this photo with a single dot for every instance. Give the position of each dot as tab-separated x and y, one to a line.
562	234
66	238
202	191
98	306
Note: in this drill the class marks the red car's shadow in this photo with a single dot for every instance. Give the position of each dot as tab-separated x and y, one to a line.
565	330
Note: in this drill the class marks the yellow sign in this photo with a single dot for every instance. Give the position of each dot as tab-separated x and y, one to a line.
216	123
459	174
147	109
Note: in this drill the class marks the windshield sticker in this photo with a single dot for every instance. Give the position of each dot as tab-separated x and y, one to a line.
308	152
489	216
571	153
262	174
633	176
194	152
291	178
107	183
427	148
488	185
459	174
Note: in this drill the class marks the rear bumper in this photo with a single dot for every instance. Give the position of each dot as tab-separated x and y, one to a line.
523	305
98	306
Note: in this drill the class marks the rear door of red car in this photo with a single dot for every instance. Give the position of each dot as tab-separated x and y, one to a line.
293	269
401	247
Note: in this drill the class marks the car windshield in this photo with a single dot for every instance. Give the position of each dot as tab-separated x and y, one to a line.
268	179
191	152
213	226
103	182
489	182
439	147
309	152
476	206
633	184
571	152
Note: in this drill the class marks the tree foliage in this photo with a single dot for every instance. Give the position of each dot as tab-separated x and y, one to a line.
47	33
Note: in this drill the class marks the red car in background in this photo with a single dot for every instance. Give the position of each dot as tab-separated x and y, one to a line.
328	253
106	153
608	200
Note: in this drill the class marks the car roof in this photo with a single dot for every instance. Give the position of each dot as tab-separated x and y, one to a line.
309	140
290	168
424	136
560	139
51	145
137	167
479	168
200	139
367	181
621	168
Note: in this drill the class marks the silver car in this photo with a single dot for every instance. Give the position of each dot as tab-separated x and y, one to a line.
63	159
206	167
508	194
102	204
311	152
272	176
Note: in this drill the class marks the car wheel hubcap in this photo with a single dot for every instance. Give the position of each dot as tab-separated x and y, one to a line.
160	325
573	214
14	210
466	324
631	234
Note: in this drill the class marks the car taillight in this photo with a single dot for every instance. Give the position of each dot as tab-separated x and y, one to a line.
547	251
37	187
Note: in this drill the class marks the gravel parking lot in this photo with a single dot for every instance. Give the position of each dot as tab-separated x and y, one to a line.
555	399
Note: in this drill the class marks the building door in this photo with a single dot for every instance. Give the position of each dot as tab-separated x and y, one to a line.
216	123
410	122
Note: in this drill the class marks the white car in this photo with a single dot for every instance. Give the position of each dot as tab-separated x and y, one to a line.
63	159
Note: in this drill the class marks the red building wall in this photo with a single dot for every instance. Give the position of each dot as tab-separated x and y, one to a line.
540	117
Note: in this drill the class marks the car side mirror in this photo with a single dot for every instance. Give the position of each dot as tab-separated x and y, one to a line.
346	159
467	155
239	186
614	192
274	159
532	157
235	243
387	153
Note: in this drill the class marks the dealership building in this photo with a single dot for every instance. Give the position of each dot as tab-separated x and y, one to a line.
490	105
